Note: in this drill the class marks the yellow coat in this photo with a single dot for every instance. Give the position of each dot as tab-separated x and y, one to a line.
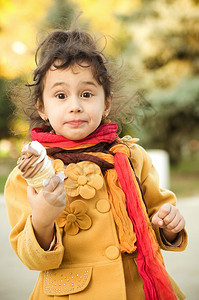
86	264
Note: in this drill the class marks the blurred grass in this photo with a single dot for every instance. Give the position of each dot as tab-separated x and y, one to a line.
184	178
6	166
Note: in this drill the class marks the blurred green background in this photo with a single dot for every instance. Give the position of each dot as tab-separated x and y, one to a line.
158	41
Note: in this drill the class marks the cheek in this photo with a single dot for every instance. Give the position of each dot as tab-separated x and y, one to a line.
53	115
97	112
100	106
51	109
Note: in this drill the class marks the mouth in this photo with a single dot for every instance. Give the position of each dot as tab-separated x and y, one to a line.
76	122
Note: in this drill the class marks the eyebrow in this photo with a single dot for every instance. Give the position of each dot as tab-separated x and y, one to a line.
58	84
62	83
89	83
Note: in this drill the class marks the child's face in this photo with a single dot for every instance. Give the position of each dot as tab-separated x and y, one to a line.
73	101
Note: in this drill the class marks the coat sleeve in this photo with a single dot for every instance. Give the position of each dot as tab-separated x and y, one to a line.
154	196
22	237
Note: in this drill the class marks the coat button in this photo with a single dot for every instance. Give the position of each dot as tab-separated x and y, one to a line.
112	252
103	206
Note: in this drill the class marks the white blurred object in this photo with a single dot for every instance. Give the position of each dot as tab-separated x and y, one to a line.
160	160
61	175
19	47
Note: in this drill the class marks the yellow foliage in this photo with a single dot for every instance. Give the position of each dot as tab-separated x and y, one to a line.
101	13
20	21
101	17
19	24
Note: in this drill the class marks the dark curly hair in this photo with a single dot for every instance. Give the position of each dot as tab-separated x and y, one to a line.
63	49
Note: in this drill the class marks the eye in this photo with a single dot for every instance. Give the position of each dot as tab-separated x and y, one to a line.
60	96
86	95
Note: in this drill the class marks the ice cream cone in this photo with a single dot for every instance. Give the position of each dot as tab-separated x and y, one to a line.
35	165
38	179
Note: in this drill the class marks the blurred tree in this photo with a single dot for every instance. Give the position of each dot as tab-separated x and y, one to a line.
19	22
101	17
60	15
6	108
165	50
18	45
176	122
159	39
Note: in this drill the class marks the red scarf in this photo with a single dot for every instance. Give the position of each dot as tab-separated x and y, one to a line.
156	282
105	133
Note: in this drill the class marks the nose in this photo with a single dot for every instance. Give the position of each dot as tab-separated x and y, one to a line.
75	105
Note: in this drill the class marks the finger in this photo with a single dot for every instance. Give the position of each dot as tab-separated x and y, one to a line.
179	226
176	220
31	192
55	200
174	213
57	197
62	200
157	221
52	185
59	188
164	210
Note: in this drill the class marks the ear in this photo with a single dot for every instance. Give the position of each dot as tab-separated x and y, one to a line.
108	105
40	110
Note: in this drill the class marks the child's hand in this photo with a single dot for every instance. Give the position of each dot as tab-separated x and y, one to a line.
47	205
49	202
170	220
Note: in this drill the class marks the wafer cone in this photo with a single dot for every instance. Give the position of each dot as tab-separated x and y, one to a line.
38	179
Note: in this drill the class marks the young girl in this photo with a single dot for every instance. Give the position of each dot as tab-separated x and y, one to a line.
98	234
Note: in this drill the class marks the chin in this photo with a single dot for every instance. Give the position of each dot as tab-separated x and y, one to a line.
76	138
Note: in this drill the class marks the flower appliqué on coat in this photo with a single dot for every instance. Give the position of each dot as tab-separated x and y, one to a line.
128	140
83	179
74	217
58	165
